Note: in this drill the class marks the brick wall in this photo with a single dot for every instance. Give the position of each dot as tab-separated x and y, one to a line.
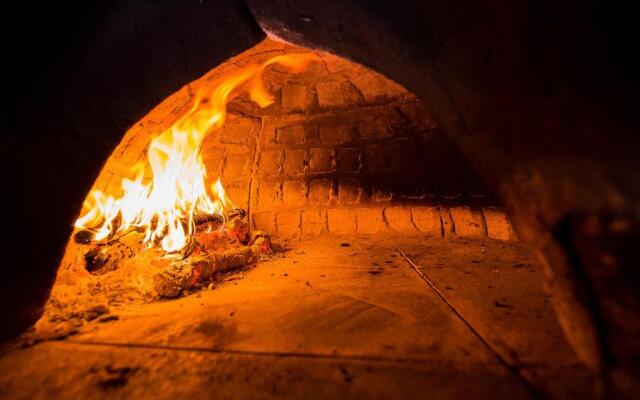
342	150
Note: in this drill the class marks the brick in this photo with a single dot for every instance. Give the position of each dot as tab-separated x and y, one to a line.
293	193
297	97
268	194
397	122
498	226
348	190
447	223
237	130
311	133
213	160
369	220
375	128
294	162
319	191
399	219
269	163
375	87
370	85
427	220
348	160
467	222
419	116
337	94
336	64
394	89
381	185
238	195
314	222
404	155
288	223
341	220
236	167
320	160
290	134
268	134
335	134
376	157
264	221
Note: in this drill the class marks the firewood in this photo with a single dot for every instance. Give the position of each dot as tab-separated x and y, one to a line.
104	257
208	222
234	259
83	236
184	274
260	242
235	213
199	269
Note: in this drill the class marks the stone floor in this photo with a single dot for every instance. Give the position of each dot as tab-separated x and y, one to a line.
336	317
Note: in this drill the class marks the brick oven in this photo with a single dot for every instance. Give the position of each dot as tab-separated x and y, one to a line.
323	205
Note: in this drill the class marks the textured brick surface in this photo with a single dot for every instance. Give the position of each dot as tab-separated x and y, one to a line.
319	191
341	220
448	228
337	94
427	220
374	128
399	219
314	222
290	134
297	97
268	195
348	190
270	162
335	134
294	162
320	160
288	223
265	221
238	130
369	220
236	167
467	222
293	193
498	226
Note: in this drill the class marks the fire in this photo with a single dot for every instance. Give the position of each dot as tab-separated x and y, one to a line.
165	207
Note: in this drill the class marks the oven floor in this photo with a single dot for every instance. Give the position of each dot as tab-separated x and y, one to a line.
336	317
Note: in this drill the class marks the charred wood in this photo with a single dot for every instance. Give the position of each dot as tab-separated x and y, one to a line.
104	257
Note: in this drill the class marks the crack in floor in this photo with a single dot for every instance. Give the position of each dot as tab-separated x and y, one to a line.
513	368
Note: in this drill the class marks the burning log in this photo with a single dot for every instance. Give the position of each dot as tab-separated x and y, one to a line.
260	242
83	236
105	257
237	225
234	259
182	275
208	222
199	269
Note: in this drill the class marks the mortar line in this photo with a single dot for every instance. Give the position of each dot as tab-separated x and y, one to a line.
514	369
254	170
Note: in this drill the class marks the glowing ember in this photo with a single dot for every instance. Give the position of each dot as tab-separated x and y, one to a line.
165	208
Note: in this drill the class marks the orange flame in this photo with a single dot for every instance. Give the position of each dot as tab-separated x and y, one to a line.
165	207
